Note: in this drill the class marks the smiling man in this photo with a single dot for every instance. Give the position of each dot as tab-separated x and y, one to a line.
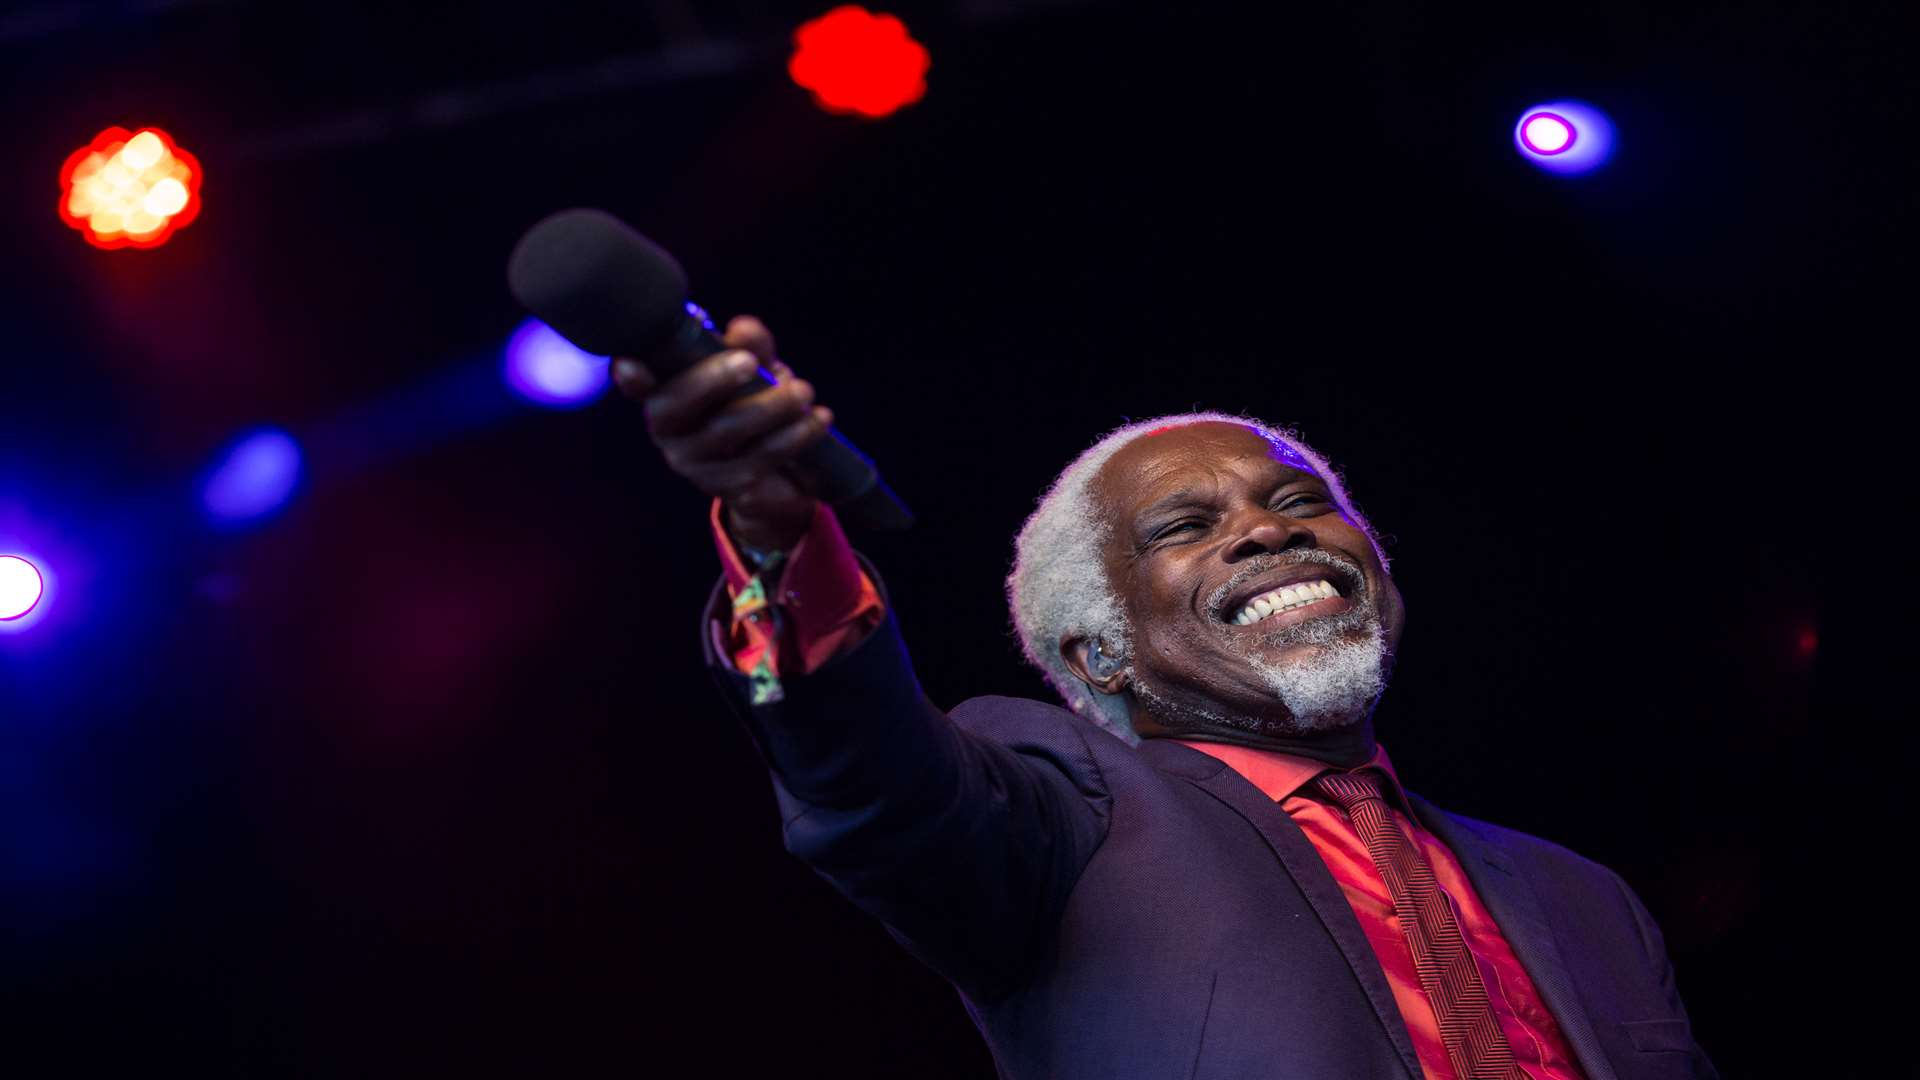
1267	617
1203	866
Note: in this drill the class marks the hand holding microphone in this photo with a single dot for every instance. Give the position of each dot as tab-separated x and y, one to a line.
738	448
748	435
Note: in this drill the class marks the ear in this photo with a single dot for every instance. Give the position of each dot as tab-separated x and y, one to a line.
1109	677
1393	613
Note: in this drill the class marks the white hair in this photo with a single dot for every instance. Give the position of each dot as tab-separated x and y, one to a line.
1059	588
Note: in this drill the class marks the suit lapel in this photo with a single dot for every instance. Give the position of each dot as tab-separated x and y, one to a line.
1516	910
1309	872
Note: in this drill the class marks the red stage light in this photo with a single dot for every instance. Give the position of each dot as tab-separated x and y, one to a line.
129	189
1808	642
857	62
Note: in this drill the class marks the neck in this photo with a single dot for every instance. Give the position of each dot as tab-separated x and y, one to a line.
1346	747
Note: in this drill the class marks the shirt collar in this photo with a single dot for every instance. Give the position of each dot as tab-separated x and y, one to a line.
1280	776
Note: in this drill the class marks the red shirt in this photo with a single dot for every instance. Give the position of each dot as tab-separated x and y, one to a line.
1538	1047
821	603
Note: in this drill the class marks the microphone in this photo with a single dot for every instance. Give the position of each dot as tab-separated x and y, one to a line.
613	292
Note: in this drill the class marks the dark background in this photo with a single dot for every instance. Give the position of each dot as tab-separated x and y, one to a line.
424	777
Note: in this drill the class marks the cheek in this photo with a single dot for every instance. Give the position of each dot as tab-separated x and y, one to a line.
1171	633
1396	616
1339	533
1150	589
1154	617
1341	530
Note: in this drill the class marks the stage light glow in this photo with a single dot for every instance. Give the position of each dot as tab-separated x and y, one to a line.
256	476
37	562
21	587
549	370
129	189
854	61
1565	137
1545	133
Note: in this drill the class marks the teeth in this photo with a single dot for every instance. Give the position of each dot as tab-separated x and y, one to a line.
1283	599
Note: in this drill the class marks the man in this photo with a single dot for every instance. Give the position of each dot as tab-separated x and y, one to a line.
1219	875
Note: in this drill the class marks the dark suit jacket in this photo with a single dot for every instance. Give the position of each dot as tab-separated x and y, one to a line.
1116	912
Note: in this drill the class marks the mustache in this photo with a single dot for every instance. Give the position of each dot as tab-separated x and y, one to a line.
1349	572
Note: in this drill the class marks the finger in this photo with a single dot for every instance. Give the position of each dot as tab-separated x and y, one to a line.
757	465
749	333
796	436
729	432
689	398
632	377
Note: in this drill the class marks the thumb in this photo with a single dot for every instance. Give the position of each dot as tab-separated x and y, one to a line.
633	378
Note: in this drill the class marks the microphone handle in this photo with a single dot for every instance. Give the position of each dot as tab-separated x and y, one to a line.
839	473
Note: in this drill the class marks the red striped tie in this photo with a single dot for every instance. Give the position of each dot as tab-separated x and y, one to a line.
1475	1045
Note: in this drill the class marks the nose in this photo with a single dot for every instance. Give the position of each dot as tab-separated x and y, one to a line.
1268	533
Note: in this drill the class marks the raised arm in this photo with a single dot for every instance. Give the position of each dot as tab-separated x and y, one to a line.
964	847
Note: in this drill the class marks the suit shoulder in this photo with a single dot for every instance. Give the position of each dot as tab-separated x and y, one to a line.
1044	730
1005	719
1527	847
1570	881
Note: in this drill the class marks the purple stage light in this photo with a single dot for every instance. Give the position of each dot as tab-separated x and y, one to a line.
549	370
1565	137
38	563
256	477
1547	133
21	587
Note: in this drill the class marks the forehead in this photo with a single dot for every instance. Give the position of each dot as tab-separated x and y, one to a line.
1168	458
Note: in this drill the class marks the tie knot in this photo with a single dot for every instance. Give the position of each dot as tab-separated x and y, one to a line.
1352	788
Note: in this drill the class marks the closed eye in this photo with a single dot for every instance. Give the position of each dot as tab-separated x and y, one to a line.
1305	498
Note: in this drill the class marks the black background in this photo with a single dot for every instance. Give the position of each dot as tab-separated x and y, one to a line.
424	776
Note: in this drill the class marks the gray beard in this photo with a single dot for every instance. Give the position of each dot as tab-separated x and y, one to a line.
1335	685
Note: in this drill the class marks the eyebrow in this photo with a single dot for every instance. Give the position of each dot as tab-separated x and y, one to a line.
1171	500
1194	496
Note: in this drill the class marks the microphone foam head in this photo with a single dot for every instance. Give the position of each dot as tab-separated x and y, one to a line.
604	286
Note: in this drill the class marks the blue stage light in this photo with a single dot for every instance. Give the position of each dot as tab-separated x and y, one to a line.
1565	137
21	587
254	478
549	370
38	564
